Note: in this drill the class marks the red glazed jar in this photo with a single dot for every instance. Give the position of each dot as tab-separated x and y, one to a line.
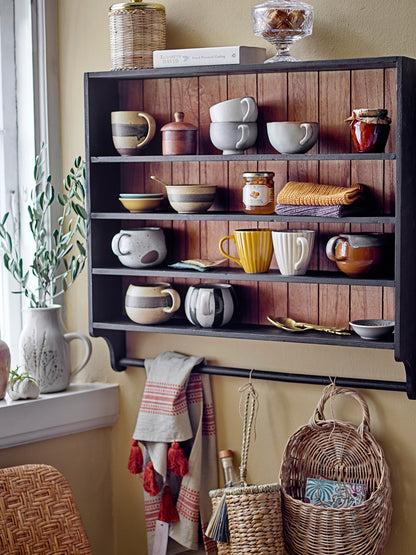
369	129
178	137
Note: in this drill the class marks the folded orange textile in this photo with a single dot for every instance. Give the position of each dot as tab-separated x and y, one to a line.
306	193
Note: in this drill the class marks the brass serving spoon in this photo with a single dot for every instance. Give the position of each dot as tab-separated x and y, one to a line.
157	179
289	324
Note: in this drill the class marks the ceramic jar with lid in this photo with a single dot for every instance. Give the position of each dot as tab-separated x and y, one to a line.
370	129
258	192
179	137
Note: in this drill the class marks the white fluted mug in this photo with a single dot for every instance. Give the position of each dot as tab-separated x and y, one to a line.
293	250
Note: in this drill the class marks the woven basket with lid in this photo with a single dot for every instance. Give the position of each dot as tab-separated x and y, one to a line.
136	29
340	451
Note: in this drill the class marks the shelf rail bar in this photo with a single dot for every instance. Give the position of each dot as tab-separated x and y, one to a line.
385	385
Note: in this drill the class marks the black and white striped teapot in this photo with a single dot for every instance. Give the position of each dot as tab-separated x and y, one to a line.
210	305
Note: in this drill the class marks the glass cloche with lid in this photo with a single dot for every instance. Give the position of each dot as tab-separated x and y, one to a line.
282	22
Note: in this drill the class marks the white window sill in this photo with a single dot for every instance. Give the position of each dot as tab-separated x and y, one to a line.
80	408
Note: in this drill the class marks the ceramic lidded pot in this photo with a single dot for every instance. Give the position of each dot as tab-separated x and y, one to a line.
369	129
355	254
179	137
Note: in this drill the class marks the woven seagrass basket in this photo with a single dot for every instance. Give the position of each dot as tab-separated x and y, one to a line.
254	512
338	451
136	30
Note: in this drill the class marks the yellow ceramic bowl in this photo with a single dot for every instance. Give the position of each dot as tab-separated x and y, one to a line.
141	204
191	199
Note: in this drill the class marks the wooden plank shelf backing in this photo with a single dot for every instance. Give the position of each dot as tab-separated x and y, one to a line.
323	91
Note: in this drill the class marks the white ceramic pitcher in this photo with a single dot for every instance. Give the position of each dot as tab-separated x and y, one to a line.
44	351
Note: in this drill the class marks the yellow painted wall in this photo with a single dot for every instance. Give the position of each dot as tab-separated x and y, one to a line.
342	30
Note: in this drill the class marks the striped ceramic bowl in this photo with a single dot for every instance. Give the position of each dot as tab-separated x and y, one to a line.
191	199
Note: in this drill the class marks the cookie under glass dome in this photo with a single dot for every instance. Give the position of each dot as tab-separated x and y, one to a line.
282	22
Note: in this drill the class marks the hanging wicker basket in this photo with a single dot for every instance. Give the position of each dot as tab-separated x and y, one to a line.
254	512
136	30
342	452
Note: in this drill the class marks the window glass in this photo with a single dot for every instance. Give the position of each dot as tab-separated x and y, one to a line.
16	146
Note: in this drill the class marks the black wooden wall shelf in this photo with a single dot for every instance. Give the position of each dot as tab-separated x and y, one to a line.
323	91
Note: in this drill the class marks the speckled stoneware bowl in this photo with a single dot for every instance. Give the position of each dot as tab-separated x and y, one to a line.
372	330
191	199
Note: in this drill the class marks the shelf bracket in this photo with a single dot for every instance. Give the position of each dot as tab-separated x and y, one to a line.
384	385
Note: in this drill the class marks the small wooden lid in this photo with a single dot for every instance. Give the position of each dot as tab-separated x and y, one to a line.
178	124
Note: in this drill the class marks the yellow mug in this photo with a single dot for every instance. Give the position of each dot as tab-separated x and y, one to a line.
254	247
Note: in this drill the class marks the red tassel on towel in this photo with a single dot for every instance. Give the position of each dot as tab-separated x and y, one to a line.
177	462
168	512
149	480
135	464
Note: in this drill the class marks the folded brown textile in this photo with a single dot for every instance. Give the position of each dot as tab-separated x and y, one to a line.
306	193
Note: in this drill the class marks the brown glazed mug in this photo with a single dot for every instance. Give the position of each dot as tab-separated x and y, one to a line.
355	254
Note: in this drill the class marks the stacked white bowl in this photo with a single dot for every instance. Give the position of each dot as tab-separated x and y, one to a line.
234	124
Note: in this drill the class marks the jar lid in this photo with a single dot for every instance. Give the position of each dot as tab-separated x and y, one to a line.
258	174
284	5
370	115
225	453
136	5
178	124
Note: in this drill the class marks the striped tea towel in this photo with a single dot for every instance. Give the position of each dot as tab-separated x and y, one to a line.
177	409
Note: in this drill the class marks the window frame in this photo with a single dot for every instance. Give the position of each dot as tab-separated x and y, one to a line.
28	32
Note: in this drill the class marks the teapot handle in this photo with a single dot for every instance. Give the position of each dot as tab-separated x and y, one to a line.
330	248
88	349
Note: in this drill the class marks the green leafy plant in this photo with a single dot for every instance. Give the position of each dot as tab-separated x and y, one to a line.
55	262
16	378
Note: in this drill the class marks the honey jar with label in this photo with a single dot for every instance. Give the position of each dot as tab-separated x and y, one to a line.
258	192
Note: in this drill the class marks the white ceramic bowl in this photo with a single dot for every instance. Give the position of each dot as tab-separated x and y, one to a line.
372	330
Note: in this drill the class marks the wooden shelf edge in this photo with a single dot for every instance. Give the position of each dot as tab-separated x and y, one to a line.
241	216
235	274
259	333
111	159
